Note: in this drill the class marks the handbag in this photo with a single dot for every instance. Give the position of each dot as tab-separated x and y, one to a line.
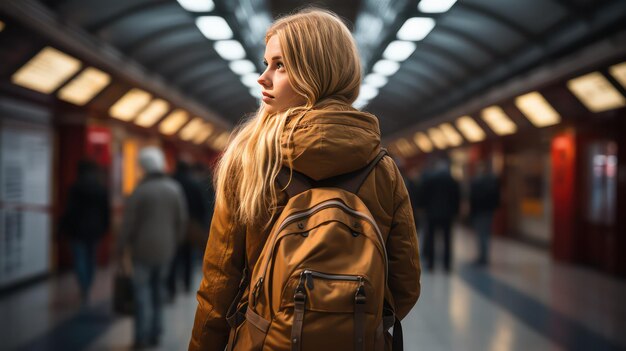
123	299
123	292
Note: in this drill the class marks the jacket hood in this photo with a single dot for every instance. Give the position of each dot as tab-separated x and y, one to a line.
331	140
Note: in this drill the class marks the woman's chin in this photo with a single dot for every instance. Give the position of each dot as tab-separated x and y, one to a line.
269	108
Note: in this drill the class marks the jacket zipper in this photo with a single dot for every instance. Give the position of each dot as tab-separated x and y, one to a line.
309	274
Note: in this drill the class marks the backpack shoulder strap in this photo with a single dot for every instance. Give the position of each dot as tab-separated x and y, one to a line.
299	182
351	182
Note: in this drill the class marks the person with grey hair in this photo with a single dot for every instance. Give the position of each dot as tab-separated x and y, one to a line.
153	225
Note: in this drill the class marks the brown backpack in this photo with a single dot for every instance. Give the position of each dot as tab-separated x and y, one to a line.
320	280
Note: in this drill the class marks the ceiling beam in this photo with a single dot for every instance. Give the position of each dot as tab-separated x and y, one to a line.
140	43
173	52
190	78
448	55
215	82
131	10
186	60
410	83
470	40
159	35
489	13
411	68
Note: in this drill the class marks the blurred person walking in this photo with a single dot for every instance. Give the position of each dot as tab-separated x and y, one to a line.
85	221
196	231
204	175
440	198
412	182
484	200
154	223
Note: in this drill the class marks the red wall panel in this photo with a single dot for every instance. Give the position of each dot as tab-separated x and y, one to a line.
564	196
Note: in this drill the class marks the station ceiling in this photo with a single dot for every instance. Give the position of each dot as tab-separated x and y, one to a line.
474	46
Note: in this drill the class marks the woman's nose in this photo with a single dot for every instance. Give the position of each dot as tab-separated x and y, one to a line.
264	80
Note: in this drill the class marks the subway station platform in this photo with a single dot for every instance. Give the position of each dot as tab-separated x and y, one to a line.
533	91
523	301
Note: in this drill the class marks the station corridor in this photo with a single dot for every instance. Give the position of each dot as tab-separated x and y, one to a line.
125	128
523	301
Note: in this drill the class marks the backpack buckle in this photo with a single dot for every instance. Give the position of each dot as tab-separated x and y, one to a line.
359	296
300	295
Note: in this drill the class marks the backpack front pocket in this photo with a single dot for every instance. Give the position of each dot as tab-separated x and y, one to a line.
327	311
327	292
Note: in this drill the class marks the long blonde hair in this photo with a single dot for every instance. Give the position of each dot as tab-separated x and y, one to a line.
323	66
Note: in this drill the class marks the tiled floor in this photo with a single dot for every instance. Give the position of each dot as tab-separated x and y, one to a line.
523	301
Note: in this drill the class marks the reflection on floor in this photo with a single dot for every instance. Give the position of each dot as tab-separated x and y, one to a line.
523	301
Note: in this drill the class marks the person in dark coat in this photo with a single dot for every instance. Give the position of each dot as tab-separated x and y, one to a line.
484	200
440	199
412	183
204	176
85	221
196	232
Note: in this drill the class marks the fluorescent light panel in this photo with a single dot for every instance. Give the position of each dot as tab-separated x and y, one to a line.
230	50
197	5
221	141
46	71
498	121
214	27
250	80
151	114
256	91
435	6
242	67
204	134
438	138
405	148
83	88
375	80
596	92
367	92
129	105
453	137
422	141
619	73
191	129
399	147
172	123
386	67
416	28
359	104
537	109
399	50
470	129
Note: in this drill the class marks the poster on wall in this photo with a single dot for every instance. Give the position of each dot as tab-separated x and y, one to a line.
25	248
25	173
98	146
25	166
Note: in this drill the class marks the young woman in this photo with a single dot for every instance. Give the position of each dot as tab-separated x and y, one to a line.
306	123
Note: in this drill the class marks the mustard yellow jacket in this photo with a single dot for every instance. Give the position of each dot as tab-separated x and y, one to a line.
326	143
